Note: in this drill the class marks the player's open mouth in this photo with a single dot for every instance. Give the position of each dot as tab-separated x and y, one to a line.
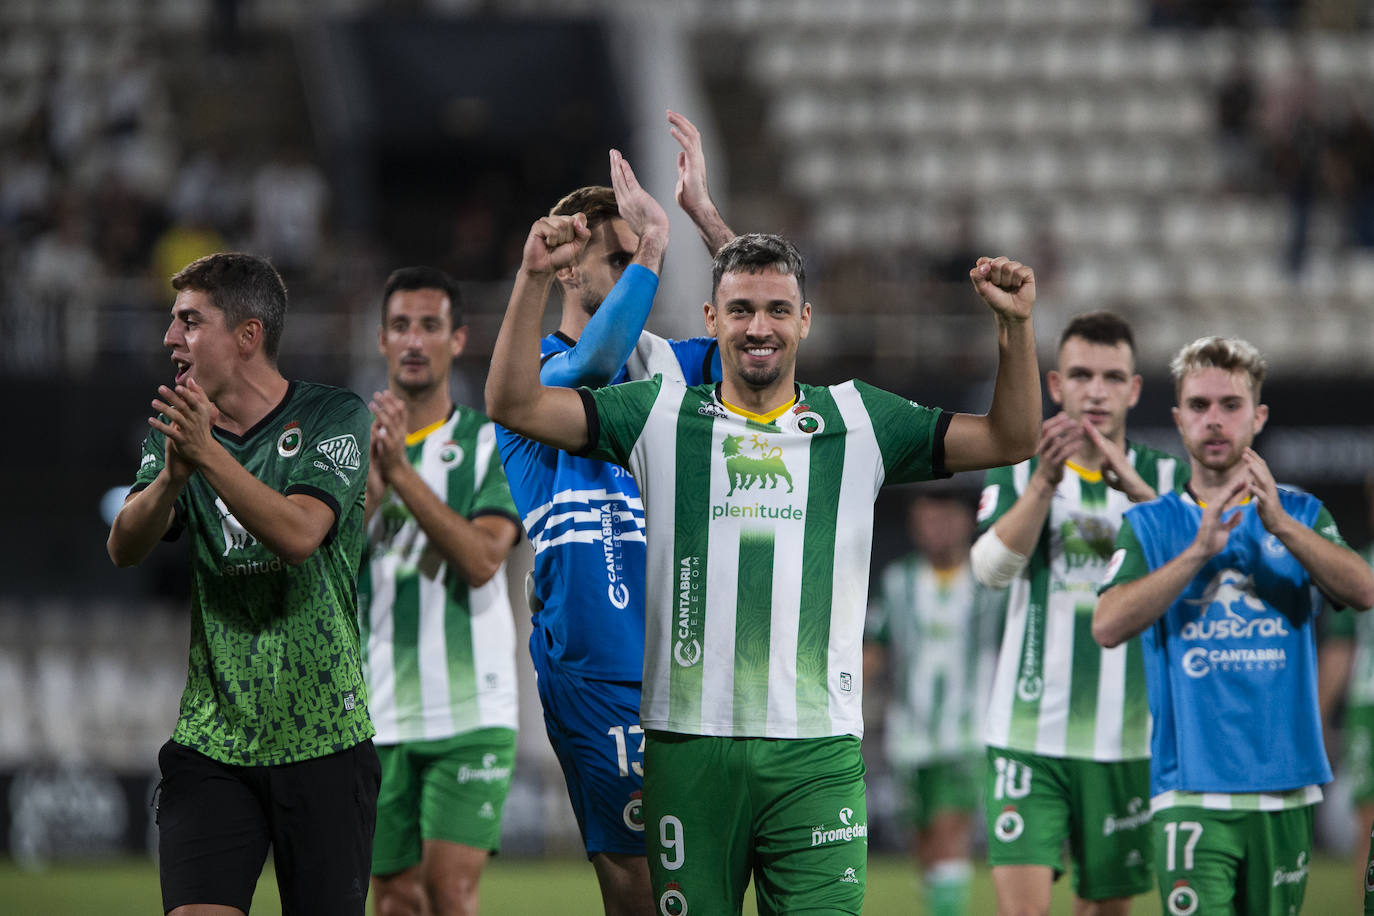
183	370
760	352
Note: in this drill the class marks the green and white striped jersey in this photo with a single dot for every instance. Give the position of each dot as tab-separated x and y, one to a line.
1056	692
940	631
1349	624
758	547
439	657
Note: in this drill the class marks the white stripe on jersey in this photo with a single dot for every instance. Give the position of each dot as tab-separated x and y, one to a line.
437	721
784	621
719	600
860	481
379	669
1004	686
658	480
491	613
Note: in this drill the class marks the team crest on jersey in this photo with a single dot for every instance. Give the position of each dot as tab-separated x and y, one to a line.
805	420
289	442
754	463
451	453
674	901
1182	900
633	815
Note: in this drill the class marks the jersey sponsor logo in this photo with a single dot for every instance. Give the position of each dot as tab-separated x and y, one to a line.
1230	593
687	647
765	467
847	832
1137	815
350	701
1030	687
450	454
489	772
611	551
1199	662
1273	546
846	682
1182	900
487	812
1296	875
1009	825
236	537
289	442
147	460
343	454
1087	540
673	902
850	876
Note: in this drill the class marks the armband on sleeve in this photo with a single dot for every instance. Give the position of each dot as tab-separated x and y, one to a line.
994	563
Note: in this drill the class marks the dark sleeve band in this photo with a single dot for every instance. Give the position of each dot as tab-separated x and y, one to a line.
593	423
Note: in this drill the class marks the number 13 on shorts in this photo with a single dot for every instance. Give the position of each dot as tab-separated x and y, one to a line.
622	755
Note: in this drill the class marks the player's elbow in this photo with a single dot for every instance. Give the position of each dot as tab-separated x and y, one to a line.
1106	633
119	556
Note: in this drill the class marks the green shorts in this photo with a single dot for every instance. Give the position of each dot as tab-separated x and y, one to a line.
452	789
1035	804
1359	753
939	787
789	811
1232	861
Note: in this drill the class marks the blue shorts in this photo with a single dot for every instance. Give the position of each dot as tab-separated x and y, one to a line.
594	729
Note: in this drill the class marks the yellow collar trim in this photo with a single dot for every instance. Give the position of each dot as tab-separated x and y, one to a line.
418	436
1203	505
1089	476
760	417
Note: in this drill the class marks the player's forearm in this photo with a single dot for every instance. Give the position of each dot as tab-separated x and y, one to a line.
1128	610
1020	526
1014	416
466	546
711	227
1334	661
284	526
1338	571
515	397
610	335
142	521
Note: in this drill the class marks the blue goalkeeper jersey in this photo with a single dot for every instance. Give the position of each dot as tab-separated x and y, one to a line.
585	520
1231	667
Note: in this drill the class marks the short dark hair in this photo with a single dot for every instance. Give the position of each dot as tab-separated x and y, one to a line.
756	252
409	278
597	202
242	286
1100	327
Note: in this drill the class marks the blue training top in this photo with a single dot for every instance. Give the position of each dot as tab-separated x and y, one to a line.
1231	667
585	518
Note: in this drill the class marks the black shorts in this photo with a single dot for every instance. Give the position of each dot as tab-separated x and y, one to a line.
215	823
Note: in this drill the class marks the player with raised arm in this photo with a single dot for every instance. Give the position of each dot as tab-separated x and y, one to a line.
758	496
438	631
1067	729
585	517
272	743
1223	583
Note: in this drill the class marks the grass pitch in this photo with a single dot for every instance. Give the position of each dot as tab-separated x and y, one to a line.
520	886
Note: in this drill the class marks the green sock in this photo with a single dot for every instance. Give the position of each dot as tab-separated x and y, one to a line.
947	887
